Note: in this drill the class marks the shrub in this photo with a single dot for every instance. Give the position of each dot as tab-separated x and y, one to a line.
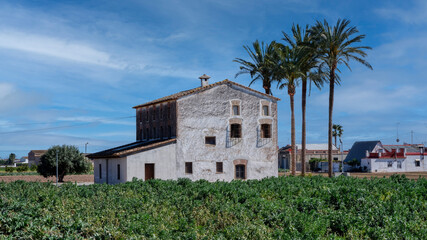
22	168
9	169
33	167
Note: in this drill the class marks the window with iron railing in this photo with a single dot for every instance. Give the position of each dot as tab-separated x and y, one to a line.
235	130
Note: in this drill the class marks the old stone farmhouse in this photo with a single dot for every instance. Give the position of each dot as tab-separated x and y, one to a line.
219	131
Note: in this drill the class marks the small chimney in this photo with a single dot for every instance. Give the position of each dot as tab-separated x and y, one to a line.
367	153
204	79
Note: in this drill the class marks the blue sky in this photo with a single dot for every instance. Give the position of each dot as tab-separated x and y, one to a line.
76	68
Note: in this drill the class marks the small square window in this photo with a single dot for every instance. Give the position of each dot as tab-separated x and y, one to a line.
189	167
236	110
210	141
219	168
417	163
399	164
265	110
389	164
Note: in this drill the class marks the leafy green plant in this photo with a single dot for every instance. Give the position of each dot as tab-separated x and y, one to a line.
273	208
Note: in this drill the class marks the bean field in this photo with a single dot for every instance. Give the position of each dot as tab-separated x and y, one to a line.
273	208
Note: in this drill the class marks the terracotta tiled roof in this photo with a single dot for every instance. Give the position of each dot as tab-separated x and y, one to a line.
131	148
38	152
201	89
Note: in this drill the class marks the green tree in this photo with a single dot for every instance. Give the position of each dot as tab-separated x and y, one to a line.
260	67
337	131
287	74
353	162
11	159
335	46
302	39
70	161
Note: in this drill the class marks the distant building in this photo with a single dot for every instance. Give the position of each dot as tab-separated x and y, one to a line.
358	151
34	156
319	151
22	160
395	158
220	131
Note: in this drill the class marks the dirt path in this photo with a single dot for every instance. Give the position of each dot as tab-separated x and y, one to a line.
37	178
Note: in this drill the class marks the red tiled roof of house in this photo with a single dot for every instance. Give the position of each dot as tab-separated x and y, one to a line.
388	154
38	152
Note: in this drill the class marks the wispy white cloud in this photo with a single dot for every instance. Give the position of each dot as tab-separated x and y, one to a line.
58	48
129	121
366	98
416	13
12	99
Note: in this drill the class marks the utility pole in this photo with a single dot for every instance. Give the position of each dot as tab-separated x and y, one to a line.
342	157
397	132
86	147
57	167
412	137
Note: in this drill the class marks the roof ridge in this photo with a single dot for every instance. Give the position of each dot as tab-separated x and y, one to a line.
199	89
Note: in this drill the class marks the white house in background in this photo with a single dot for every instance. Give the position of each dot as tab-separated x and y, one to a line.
22	160
396	158
220	131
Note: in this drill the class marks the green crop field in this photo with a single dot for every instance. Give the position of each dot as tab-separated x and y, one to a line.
273	208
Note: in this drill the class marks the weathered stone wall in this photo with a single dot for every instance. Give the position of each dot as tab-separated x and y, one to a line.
209	113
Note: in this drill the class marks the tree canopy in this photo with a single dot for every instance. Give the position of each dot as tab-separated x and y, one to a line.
70	161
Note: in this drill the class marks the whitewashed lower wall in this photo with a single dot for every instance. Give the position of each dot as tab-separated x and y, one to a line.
164	163
381	165
109	172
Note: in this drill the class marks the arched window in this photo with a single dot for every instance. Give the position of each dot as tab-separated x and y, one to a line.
240	172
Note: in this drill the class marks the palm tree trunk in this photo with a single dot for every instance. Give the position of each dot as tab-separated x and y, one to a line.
293	152
267	87
331	106
335	140
304	96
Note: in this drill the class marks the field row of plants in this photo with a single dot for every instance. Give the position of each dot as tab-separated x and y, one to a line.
273	208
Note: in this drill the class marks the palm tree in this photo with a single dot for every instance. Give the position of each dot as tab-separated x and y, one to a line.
335	46
302	39
260	68
287	74
337	132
